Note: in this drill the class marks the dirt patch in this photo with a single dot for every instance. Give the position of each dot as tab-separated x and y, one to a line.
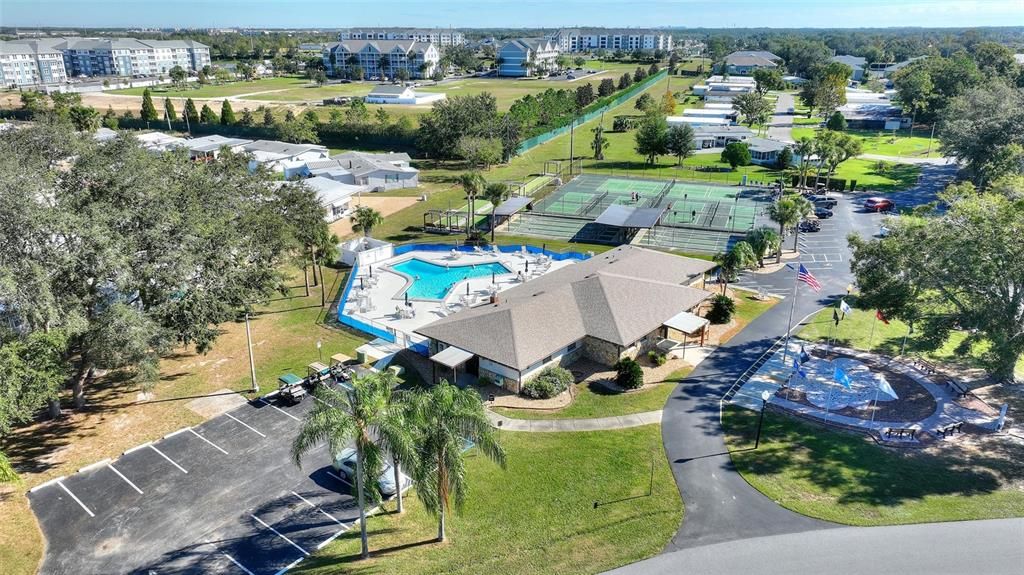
216	403
386	205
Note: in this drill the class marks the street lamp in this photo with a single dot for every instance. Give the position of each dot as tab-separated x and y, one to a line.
319	345
765	396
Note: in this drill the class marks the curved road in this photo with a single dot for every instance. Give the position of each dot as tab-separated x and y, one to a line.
720	505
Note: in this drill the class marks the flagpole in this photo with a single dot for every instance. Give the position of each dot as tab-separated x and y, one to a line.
828	402
903	348
792	310
875	406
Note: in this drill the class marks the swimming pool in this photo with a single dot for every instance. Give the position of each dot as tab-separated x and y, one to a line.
432	281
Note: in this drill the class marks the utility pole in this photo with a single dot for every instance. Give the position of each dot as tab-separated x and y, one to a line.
252	364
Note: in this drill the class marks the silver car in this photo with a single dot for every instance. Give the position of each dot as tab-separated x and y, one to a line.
345	465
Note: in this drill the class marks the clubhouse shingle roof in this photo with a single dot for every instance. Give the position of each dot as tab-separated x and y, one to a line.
618	296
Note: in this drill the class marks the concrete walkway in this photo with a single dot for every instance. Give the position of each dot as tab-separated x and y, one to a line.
593	424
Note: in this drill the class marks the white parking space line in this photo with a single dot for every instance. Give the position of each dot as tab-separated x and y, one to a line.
279	409
246	425
318	509
171	461
331	538
237	564
278	533
212	444
336	476
126	480
289	566
77	500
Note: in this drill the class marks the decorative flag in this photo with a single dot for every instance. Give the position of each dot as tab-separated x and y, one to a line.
881	316
840	376
800	372
808	278
884	387
803	354
835	317
845	307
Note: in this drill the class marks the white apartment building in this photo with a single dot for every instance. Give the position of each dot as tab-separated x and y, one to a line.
57	59
380	58
27	63
627	40
436	36
527	56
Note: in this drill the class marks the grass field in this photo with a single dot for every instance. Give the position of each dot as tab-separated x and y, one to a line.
845	478
883	143
284	335
535	517
855	332
220	90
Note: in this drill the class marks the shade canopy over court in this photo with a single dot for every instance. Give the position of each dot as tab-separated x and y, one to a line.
512	206
629	217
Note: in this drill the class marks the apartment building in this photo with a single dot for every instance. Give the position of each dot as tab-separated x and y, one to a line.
26	62
381	58
527	56
436	36
627	40
57	59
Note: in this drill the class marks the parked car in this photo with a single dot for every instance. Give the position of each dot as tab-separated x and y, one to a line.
823	201
822	212
570	77
879	205
345	81
345	465
810	226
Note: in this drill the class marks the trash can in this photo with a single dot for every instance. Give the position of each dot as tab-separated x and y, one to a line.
360	357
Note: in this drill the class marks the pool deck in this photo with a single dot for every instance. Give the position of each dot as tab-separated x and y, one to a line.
387	294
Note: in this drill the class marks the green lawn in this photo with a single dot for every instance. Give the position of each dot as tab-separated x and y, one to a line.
855	332
220	90
594	400
878	176
535	517
883	143
843	477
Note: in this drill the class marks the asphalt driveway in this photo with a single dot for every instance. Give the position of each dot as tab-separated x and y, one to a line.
222	497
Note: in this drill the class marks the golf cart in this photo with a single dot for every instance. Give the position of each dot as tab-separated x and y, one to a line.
810	224
291	388
317	372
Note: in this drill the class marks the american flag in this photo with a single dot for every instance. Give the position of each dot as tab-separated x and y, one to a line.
808	278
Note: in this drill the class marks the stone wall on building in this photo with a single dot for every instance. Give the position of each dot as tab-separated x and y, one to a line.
601	351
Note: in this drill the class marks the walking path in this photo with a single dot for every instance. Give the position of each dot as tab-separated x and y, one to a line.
781	125
593	424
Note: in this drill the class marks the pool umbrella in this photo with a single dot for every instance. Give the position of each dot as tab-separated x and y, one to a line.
406	298
492	278
371	271
362	285
527	265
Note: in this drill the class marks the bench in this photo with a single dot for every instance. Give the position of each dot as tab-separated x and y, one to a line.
959	389
950	430
910	432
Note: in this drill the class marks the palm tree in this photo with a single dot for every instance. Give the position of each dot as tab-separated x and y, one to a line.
365	219
804	149
804	207
741	256
443	417
600	143
368	415
384	64
495	192
472	183
785	213
763	240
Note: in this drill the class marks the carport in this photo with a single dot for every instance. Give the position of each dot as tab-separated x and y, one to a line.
507	209
451	357
630	219
686	323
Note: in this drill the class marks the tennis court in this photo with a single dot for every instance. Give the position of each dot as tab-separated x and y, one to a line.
697	217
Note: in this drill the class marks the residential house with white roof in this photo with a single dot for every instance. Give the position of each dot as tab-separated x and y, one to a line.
283	157
856	63
746	61
335	196
160	142
379	172
210	147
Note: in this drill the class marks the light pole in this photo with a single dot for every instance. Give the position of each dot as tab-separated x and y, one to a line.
252	364
765	396
319	350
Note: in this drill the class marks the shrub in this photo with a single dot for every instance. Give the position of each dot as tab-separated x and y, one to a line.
484	381
722	308
657	358
548	383
628	374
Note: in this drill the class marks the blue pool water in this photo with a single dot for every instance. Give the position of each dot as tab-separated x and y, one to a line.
432	281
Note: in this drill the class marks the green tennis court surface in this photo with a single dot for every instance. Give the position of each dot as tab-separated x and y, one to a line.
697	217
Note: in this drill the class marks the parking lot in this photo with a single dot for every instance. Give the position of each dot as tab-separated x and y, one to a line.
221	497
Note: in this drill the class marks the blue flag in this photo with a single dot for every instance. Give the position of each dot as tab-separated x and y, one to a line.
796	366
803	354
840	376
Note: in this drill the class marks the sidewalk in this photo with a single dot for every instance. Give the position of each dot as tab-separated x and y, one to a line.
595	424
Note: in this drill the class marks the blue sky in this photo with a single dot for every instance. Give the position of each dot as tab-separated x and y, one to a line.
522	13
